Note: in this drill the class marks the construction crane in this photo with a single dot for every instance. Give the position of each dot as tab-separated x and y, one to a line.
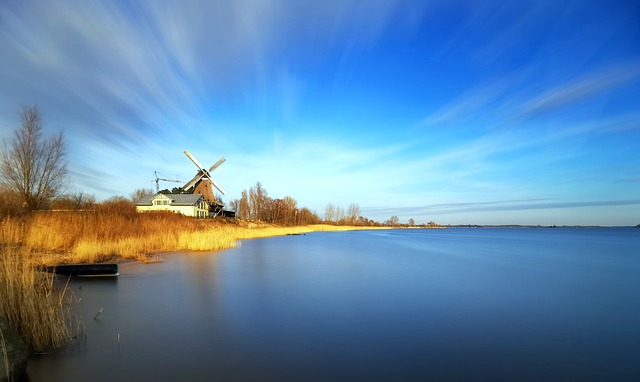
157	179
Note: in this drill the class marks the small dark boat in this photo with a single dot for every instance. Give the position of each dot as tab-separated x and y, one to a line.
85	270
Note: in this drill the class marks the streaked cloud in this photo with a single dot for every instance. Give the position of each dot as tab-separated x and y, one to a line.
492	206
582	88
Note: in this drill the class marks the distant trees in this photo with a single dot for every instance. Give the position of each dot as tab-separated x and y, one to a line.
305	216
335	215
245	206
353	213
289	210
140	192
244	211
235	205
174	190
392	221
31	165
258	201
330	214
77	200
255	204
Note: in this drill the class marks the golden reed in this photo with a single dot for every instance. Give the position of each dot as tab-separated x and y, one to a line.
32	304
97	236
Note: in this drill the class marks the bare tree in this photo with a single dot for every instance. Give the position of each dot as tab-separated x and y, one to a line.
353	213
392	221
245	206
290	210
339	215
140	192
305	216
235	206
330	213
31	165
83	200
77	200
258	199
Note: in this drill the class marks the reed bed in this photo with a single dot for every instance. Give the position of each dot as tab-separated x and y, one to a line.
32	304
98	236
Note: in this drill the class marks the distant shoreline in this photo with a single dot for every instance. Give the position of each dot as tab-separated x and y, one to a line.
533	226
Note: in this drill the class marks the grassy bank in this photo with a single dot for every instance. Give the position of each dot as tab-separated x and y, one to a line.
87	237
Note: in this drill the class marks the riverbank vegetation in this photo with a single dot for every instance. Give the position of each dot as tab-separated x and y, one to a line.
119	232
35	307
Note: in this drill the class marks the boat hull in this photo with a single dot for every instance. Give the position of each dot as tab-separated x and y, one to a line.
85	270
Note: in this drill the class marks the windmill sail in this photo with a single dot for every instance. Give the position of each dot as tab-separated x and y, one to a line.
202	180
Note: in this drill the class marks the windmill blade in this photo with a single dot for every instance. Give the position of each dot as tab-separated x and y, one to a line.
217	164
216	186
194	160
193	181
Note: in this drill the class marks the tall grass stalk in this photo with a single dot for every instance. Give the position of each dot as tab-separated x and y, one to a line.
5	357
31	303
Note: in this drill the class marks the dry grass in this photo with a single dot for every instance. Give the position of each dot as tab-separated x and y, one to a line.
31	304
99	236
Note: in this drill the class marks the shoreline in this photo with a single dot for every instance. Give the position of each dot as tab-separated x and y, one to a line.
210	236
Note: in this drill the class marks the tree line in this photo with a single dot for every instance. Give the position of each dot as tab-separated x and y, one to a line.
255	204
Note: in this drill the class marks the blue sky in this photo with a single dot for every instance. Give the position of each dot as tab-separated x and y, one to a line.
460	112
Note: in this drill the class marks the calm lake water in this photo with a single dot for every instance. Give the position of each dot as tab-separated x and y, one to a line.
398	305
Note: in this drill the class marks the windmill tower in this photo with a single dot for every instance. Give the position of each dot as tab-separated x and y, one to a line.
204	184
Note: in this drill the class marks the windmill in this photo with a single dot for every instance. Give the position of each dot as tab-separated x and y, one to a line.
204	183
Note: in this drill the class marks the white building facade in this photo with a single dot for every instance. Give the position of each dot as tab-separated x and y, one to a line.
186	204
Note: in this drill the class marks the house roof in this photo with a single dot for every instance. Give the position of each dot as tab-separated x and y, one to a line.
176	199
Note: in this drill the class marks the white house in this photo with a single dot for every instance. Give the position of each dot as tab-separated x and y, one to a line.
186	204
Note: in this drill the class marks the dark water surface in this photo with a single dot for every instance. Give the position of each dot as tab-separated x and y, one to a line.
401	305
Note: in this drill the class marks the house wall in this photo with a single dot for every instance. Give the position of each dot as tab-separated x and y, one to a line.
185	210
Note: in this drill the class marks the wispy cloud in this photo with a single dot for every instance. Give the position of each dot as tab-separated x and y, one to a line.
583	88
151	65
508	102
468	105
494	206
